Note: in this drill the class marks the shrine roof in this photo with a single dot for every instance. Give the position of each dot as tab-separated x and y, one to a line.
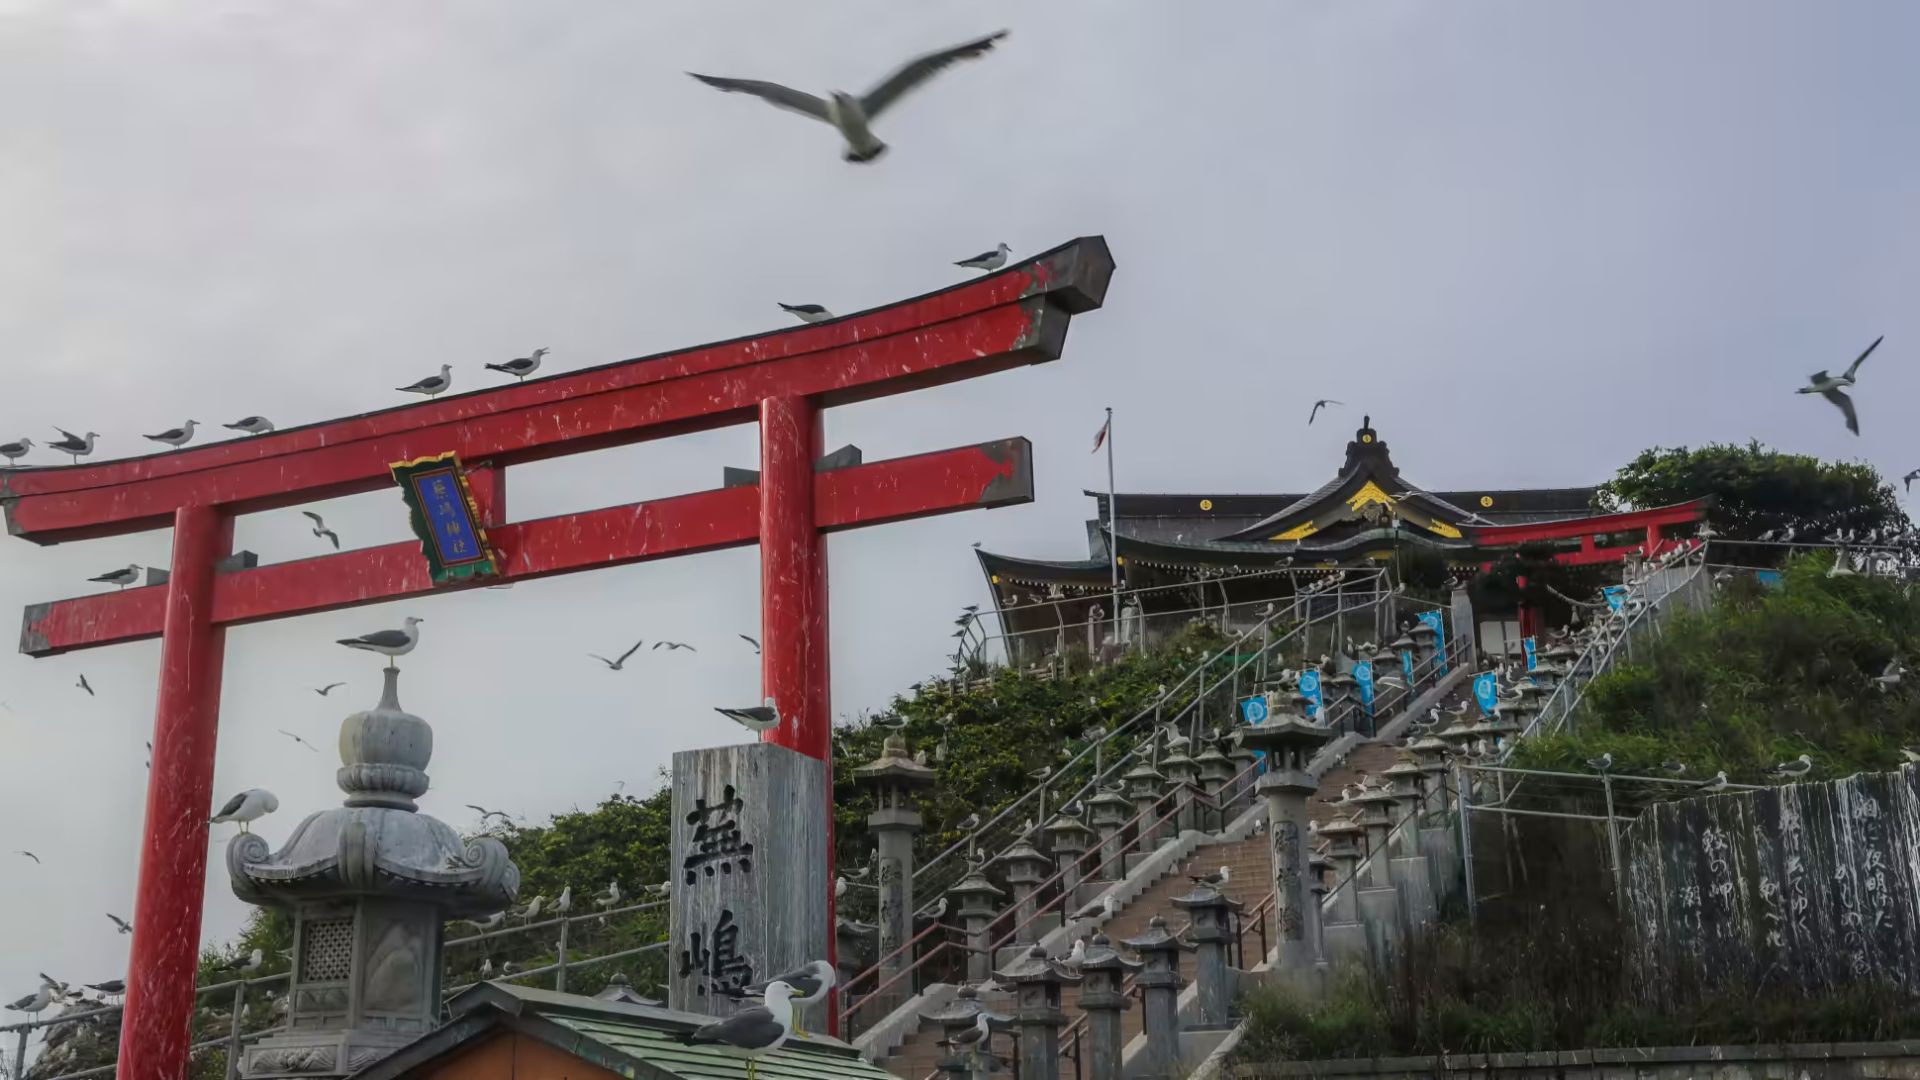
637	1041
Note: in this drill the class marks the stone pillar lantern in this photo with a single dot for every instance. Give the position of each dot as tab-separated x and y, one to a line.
1070	839
1103	972
1182	780
1426	645
1431	755
1379	900
1242	757
975	902
1144	787
1211	913
1409	870
1342	933
854	944
1318	864
1289	743
1343	701
1109	811
1404	778
964	1012
1024	868
1501	730
1036	984
1215	770
1386	665
894	778
368	886
1159	982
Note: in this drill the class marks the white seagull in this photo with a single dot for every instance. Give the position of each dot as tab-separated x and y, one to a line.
988	260
320	529
1889	675
758	719
74	446
811	982
432	385
1791	770
248	806
810	313
251	425
1830	386
610	897
391	644
849	114
16	450
1216	879
179	436
753	1032
523	366
119	578
36	1001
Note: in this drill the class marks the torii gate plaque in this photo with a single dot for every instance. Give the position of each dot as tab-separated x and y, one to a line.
783	380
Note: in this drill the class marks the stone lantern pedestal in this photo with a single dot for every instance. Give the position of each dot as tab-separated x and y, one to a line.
975	902
1426	646
1109	811
1410	870
1182	780
368	886
1344	935
1070	838
1289	743
1212	916
1102	974
1379	899
1024	869
1215	770
1145	785
1159	982
1036	983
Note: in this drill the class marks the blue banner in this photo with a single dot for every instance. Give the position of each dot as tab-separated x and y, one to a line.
1616	596
1406	666
1433	619
1310	689
1253	710
1769	578
1486	691
1363	678
1533	660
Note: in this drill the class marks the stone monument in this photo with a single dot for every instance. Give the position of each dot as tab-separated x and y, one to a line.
368	886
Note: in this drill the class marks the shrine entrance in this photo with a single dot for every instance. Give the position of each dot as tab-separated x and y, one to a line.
781	380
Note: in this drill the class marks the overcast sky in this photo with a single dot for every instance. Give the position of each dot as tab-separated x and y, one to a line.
1529	238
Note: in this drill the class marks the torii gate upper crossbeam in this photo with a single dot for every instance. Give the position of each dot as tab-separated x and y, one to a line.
783	380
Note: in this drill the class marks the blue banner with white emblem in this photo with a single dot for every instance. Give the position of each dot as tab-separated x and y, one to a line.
1533	660
1616	596
1253	710
1310	689
1486	691
1363	678
1433	619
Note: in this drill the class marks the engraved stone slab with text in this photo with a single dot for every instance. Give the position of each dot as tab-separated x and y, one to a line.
749	871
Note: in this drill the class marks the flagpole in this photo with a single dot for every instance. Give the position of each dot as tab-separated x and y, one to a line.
1113	526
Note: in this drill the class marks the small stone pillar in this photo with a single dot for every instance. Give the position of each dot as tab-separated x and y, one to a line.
1431	755
1342	699
368	886
1144	787
1182	780
1102	973
894	777
1289	743
1211	913
961	1013
1410	870
1318	864
1109	811
1379	900
1405	656
1215	770
1240	790
1036	984
1404	780
1070	838
1024	868
1342	933
975	901
1159	982
1426	645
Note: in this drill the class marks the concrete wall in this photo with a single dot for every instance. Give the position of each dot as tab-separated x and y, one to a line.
1807	885
1812	1061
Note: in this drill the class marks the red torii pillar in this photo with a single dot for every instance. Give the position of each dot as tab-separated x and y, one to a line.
1014	317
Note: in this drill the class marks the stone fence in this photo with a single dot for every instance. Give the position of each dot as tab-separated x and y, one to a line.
1805	1061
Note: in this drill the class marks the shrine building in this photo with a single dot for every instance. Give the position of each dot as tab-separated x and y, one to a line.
1224	557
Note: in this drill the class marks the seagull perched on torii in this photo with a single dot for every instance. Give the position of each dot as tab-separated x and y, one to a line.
849	114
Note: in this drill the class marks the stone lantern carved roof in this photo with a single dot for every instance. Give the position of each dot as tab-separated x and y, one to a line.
377	844
895	765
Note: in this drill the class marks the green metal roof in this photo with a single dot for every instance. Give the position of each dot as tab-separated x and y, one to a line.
631	1040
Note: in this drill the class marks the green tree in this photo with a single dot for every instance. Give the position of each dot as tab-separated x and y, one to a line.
1757	489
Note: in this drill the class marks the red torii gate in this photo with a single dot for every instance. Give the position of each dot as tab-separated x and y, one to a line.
783	380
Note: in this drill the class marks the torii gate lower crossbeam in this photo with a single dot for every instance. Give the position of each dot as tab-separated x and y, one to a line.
1015	316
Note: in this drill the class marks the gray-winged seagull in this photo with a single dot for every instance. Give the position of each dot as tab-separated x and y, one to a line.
320	529
812	982
179	436
75	446
14	451
620	663
391	644
758	719
432	385
1829	386
119	578
811	313
251	425
849	114
248	806
988	260
755	1032
523	366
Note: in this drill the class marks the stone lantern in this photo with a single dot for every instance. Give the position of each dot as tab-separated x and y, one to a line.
1070	839
975	903
1212	915
1182	780
961	1013
1379	900
1342	933
1103	973
1215	770
1426	645
1109	811
894	777
1341	695
1290	744
1145	785
1025	870
1240	785
1159	982
1036	982
368	886
1318	864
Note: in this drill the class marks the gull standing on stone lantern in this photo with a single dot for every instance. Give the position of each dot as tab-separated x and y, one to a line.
247	807
391	644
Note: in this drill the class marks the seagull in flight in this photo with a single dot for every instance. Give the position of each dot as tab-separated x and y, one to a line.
620	664
807	313
752	642
1830	386
298	739
988	260
432	385
853	115
523	366
75	446
758	719
179	436
84	685
1321	404
1907	479
120	924
251	425
30	855
672	645
323	691
320	529
486	813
